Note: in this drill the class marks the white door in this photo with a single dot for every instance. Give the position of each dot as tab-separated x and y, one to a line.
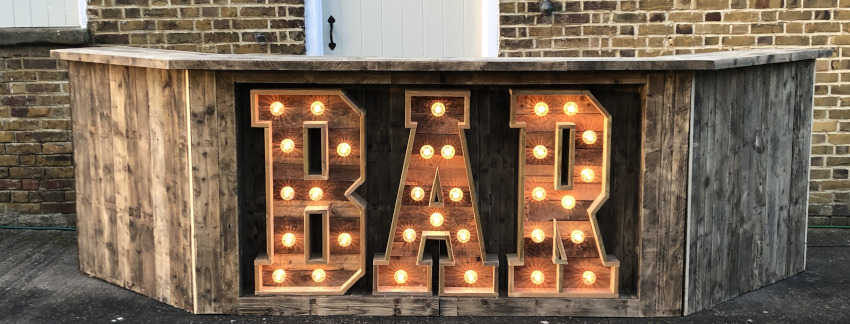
406	28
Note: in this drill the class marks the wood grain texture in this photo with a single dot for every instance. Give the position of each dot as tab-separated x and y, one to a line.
134	213
169	59
665	167
748	181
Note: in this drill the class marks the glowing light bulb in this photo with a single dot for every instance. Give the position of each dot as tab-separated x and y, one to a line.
344	239
288	240
588	137
588	277
568	202
537	277
436	219
577	236
316	194
318	275
417	193
570	108
456	194
538	193
287	193
409	235
447	152
343	149
427	151
540	152
587	175
463	236
279	276
541	109
538	235
400	276
317	108
438	109
276	108
287	146
470	276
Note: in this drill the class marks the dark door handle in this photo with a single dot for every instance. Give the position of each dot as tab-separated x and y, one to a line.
331	21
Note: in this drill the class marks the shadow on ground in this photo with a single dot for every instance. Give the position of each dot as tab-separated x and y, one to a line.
40	283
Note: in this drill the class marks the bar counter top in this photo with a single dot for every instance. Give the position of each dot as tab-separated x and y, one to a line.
170	59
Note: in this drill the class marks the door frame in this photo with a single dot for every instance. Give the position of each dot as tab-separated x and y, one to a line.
314	40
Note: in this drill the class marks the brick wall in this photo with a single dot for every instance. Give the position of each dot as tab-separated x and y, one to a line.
212	26
661	27
36	172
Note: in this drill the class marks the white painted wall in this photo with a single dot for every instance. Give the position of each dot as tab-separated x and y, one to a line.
42	13
403	28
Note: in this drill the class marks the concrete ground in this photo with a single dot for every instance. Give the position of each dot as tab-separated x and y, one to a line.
40	283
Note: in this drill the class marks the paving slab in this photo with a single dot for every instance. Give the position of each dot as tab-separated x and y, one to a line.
40	283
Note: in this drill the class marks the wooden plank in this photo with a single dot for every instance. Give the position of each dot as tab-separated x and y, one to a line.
118	84
105	203
454	35
432	36
158	58
343	305
228	206
651	159
371	29
392	31
205	190
800	147
412	44
82	121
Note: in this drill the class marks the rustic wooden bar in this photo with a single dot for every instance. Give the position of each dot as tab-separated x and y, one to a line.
708	189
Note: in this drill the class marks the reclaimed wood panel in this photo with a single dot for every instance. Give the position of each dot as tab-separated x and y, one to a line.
132	185
751	133
664	193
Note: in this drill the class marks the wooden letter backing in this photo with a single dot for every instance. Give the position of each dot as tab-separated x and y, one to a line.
331	193
551	261
466	270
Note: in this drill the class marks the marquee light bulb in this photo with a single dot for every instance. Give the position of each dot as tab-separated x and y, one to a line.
400	276
318	275
568	202
540	152
344	239
538	235
316	194
538	193
587	175
588	277
541	109
448	151
588	137
438	109
287	146
537	277
276	108
577	236
436	219
409	235
470	276
570	108
279	276
317	108
417	193
427	151
288	240
287	193
463	236
343	149
456	194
